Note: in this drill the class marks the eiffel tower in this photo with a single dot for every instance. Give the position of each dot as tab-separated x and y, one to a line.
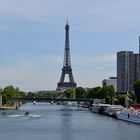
66	65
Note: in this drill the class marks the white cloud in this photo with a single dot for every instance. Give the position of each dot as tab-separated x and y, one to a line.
93	60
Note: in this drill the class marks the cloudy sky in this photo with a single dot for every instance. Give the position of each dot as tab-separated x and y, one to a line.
32	40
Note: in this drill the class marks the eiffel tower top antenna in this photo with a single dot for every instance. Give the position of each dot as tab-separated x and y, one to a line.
67	20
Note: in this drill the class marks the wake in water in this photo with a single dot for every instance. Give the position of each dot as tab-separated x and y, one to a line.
29	116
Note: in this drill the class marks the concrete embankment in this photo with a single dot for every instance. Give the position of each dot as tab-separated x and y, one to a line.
11	107
8	107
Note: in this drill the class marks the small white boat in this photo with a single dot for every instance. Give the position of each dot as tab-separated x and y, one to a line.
129	115
99	108
34	102
51	102
69	103
112	109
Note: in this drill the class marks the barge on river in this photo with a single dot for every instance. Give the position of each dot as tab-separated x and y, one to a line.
129	115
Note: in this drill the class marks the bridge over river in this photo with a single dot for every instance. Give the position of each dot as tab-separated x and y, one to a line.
43	99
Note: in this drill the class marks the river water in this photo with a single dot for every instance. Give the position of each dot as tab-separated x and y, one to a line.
61	122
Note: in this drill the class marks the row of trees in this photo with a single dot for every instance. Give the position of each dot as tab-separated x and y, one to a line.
97	92
107	93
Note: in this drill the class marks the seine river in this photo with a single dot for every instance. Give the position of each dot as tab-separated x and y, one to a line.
59	122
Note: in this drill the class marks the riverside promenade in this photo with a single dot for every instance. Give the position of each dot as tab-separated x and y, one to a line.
9	107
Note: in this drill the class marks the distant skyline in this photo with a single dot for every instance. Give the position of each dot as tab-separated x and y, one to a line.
32	39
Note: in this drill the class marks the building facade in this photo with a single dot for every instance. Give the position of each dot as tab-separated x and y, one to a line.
128	70
112	81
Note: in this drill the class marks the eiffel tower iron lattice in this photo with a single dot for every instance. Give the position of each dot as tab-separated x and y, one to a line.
66	65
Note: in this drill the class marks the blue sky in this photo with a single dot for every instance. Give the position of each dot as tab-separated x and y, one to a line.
32	40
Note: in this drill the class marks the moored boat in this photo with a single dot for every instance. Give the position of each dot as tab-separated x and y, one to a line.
112	109
34	102
129	115
99	108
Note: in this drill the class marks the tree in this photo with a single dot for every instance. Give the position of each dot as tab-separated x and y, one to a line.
97	92
107	100
102	93
121	99
30	94
111	93
137	90
80	92
10	92
69	93
94	92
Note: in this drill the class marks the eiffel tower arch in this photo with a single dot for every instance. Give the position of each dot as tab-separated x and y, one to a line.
66	65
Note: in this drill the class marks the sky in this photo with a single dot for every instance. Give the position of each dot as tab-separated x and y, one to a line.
32	38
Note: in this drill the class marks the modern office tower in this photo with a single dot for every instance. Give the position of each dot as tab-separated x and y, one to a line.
112	81
137	66
128	70
62	85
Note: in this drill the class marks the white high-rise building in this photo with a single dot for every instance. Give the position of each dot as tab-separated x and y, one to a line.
112	81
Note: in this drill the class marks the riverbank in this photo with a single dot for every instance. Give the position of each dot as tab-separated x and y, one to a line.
6	107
